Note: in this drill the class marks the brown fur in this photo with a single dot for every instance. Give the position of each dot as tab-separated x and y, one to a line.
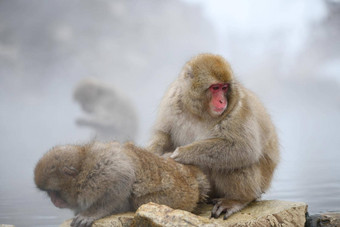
100	179
238	149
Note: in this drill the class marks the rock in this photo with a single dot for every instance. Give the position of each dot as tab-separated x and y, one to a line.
259	213
117	220
4	225
153	214
324	219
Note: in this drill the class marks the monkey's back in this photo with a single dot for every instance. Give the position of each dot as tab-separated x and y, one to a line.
165	181
269	140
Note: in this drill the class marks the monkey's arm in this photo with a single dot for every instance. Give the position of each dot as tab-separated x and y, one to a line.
217	153
160	143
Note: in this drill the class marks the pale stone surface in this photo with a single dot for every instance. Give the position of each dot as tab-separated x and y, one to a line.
118	220
259	213
268	213
153	214
4	225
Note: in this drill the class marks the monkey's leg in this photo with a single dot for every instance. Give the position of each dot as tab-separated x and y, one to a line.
234	190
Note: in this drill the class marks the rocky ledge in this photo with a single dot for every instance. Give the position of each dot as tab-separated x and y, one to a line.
323	220
259	213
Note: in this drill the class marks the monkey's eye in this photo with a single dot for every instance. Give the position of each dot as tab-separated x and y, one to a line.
215	87
225	87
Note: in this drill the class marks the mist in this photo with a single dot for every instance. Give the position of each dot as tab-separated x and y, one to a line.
286	51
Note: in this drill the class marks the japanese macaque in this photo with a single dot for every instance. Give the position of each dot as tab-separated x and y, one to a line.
100	179
109	112
208	119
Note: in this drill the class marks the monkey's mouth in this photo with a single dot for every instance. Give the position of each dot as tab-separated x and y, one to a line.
57	200
219	110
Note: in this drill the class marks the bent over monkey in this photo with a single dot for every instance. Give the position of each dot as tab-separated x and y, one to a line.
100	179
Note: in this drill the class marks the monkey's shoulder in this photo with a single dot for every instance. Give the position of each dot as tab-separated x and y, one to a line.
105	159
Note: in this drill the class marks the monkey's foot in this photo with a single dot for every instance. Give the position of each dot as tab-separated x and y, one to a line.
222	205
82	221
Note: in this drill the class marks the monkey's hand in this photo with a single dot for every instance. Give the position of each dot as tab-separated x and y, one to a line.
227	206
82	221
179	155
166	155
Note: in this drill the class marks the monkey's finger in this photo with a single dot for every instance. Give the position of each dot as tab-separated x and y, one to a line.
220	210
214	210
214	215
73	222
89	223
82	223
175	154
177	159
227	214
86	222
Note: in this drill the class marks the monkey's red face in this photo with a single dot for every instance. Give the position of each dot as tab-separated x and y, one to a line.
218	103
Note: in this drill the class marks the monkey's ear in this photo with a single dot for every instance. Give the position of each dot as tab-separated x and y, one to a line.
70	171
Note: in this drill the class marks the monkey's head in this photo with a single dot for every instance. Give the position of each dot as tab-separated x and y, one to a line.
90	93
210	88
56	173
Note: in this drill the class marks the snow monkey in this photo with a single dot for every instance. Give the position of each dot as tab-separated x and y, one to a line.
100	179
208	119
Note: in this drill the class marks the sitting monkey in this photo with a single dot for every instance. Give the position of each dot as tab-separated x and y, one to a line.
209	119
100	179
